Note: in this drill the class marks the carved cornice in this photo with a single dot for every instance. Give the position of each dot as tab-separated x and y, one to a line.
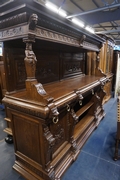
60	32
14	20
41	33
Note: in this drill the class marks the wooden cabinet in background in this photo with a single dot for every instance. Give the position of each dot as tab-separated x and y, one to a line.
105	65
116	58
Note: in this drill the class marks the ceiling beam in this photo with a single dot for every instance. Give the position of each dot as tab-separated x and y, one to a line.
62	4
95	3
95	10
76	5
108	31
113	26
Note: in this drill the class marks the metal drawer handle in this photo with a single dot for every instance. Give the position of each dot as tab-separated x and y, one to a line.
80	102
55	120
68	107
92	91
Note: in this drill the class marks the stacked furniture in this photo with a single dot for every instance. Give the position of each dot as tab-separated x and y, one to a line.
53	100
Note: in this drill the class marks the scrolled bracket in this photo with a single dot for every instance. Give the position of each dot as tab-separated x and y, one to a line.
79	96
53	113
82	40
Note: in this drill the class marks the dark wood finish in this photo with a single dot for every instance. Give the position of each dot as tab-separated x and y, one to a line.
54	92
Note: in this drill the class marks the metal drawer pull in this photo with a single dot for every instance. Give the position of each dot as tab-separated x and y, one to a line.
92	91
55	120
80	102
68	108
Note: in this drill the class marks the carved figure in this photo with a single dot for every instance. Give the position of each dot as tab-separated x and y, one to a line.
33	21
30	61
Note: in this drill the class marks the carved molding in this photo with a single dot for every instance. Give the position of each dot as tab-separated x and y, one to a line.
75	117
14	20
30	167
13	32
26	110
54	36
89	45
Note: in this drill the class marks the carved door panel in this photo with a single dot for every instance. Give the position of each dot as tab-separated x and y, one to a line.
60	130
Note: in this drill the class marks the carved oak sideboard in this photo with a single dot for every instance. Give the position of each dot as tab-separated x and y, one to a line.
52	105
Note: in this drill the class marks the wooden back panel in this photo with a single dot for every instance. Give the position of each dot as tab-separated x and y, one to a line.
53	64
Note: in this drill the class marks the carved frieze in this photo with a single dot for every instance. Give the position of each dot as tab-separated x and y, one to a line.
89	45
53	36
13	32
26	110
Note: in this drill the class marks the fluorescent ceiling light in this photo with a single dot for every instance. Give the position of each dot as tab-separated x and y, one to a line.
88	28
62	13
78	22
51	6
55	9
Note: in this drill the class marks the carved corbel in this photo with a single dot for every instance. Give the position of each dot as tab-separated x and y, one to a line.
53	113
98	71
33	21
79	96
75	117
82	40
74	148
102	92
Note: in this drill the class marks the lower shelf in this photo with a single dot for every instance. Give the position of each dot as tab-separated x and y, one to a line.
82	126
8	131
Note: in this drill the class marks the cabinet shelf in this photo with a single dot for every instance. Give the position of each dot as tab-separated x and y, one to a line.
8	131
82	125
84	108
7	119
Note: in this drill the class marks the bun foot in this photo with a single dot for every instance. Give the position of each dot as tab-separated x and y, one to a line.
9	139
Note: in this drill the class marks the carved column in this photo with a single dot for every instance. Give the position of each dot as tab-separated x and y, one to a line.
35	90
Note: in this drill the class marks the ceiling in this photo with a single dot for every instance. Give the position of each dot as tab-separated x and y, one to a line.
102	15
